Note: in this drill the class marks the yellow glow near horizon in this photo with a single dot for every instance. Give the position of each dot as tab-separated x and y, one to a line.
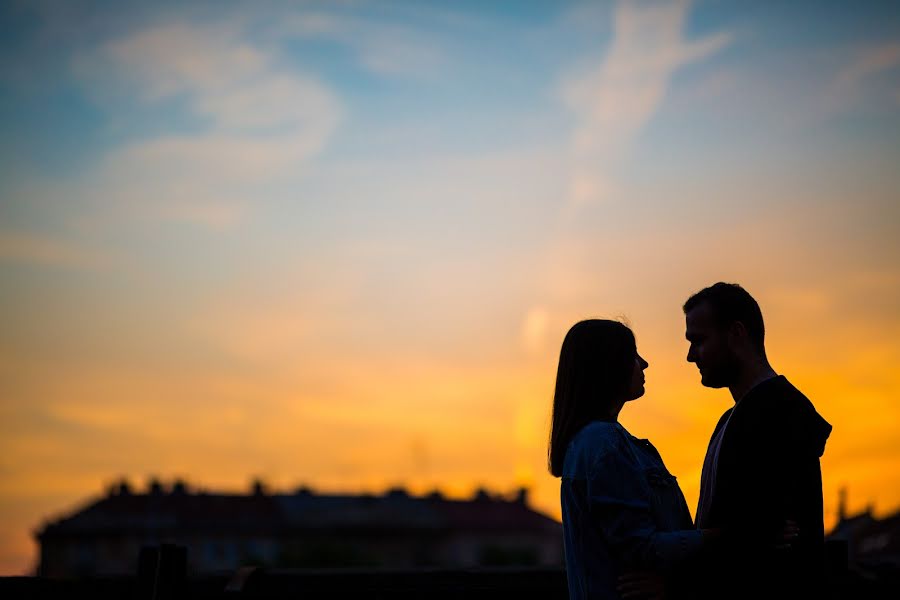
413	423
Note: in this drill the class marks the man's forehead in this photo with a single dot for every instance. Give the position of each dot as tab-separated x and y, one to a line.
699	316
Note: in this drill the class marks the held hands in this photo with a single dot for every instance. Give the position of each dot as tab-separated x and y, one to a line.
646	585
641	585
783	539
787	536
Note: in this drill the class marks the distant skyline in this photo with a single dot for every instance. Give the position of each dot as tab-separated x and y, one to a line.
339	243
294	529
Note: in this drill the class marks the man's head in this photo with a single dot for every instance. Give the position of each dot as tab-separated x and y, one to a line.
725	329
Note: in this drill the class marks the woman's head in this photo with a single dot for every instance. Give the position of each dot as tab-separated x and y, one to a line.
599	369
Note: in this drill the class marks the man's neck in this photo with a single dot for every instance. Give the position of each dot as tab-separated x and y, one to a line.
751	376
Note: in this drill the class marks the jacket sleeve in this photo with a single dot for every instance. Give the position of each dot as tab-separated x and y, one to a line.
620	504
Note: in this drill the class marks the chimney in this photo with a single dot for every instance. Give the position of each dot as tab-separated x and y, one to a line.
522	496
842	504
259	487
155	487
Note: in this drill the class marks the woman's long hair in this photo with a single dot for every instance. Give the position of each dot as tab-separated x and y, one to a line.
596	364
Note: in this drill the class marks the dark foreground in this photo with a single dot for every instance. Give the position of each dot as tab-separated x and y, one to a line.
438	584
308	584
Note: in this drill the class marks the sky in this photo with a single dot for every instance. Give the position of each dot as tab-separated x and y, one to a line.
338	244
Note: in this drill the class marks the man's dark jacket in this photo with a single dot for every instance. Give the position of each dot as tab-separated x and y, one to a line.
768	472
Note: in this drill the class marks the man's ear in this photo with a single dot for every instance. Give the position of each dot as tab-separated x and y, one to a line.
737	333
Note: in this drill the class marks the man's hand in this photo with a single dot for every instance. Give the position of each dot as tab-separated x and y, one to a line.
641	585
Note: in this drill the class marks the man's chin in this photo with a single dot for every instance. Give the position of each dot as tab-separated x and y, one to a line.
712	382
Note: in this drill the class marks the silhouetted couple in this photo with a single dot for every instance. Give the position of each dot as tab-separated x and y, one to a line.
628	532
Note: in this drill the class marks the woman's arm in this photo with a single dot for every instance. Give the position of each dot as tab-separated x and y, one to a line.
620	505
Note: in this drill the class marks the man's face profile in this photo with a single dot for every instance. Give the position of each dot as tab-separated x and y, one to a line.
709	348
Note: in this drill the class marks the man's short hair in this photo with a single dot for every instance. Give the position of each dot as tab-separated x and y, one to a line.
730	303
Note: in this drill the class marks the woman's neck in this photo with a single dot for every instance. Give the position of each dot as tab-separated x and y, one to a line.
614	411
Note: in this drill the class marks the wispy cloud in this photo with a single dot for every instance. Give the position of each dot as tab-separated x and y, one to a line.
256	119
855	81
615	101
172	59
386	49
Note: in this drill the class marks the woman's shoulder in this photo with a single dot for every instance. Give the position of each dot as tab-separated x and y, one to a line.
597	439
601	430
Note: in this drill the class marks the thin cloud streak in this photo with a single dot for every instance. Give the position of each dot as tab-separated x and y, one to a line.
854	83
616	101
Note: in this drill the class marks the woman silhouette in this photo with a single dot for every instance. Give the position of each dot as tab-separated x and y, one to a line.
623	512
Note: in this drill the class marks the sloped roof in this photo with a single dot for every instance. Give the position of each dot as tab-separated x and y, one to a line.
185	512
284	514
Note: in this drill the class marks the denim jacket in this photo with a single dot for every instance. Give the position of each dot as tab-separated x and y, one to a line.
622	511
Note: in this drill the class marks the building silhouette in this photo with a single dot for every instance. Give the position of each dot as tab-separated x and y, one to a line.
222	532
868	564
872	544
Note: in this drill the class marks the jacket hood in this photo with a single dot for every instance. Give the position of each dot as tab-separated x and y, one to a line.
805	426
815	431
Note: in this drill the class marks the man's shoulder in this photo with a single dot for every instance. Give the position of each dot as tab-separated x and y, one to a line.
781	387
785	412
775	394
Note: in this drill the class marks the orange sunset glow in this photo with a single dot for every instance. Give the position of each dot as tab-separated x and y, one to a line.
339	244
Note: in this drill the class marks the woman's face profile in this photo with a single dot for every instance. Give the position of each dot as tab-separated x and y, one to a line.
636	389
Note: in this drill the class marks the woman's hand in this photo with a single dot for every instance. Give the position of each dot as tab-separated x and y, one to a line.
641	585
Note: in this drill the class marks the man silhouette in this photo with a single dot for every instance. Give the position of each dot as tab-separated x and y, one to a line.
762	465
